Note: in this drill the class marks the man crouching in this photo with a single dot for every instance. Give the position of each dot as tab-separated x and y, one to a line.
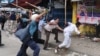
68	30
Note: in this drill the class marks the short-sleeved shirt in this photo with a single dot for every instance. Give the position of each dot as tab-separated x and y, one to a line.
49	27
70	28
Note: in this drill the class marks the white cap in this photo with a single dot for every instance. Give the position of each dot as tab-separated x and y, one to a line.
34	16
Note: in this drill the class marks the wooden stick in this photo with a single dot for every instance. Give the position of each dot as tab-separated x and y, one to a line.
16	2
18	6
32	5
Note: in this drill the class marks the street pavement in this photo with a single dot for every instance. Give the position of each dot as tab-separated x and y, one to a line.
79	47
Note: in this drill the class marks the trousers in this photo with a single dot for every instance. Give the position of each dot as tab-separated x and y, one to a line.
29	43
66	42
54	31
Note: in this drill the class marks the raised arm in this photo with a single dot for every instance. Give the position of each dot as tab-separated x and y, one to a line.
43	13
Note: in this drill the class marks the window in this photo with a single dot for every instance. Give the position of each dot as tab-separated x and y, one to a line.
6	1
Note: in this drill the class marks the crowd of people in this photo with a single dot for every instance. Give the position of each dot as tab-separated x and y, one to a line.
28	28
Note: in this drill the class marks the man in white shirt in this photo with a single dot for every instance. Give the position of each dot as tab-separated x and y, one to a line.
68	30
48	29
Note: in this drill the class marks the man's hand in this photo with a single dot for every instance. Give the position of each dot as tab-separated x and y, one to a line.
52	23
60	28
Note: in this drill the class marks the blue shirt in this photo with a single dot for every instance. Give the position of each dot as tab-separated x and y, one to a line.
41	24
32	28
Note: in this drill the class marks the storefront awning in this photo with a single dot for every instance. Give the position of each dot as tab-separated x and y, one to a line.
75	0
23	3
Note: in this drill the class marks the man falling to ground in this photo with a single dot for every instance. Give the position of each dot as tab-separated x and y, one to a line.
68	30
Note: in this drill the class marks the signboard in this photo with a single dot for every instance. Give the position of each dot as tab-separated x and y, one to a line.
89	20
87	12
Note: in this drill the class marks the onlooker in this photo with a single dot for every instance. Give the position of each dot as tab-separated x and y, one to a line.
0	30
2	20
13	16
22	21
97	38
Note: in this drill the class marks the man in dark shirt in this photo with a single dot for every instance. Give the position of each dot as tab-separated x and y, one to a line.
1	22
97	38
13	16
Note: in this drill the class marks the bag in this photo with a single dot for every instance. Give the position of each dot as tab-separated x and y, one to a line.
22	33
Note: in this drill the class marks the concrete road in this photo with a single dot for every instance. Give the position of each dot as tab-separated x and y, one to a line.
79	47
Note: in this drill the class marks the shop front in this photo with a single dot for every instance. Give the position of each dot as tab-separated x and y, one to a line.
88	11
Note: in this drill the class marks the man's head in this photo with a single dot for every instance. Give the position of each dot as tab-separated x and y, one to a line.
35	17
57	20
66	24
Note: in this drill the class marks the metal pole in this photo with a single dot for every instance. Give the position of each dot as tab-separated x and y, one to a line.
65	10
92	9
32	5
50	4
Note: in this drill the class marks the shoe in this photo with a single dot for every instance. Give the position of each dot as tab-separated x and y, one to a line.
21	54
57	41
47	48
24	55
56	51
44	48
1	45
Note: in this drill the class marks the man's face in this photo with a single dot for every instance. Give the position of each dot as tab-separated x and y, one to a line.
57	20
